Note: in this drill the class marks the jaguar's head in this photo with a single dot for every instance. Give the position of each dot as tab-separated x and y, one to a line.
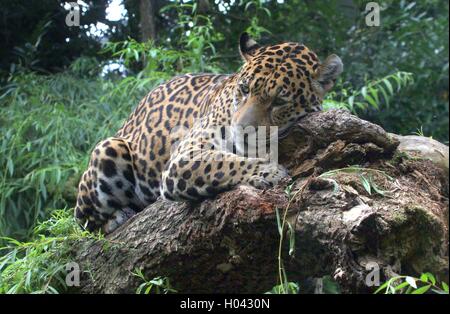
280	84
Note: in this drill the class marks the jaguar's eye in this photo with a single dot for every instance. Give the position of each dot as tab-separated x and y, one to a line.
278	102
244	88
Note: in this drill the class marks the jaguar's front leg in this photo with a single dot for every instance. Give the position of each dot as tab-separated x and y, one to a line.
195	176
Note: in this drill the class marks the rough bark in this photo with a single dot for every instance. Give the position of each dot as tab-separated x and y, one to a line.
230	243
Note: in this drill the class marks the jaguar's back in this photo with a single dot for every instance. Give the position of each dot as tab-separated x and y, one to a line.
125	170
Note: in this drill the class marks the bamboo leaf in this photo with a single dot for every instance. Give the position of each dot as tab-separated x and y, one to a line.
444	286
366	184
421	290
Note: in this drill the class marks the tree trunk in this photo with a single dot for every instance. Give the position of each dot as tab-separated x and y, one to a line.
391	215
203	7
147	19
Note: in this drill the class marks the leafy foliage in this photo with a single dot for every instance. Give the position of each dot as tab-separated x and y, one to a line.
158	285
427	283
48	125
366	177
372	95
285	288
35	36
38	265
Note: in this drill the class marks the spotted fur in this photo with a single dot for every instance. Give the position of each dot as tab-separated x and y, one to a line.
148	157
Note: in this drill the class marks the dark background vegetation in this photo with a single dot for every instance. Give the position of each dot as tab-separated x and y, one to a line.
63	88
413	37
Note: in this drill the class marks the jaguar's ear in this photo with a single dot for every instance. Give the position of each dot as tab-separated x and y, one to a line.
247	45
328	72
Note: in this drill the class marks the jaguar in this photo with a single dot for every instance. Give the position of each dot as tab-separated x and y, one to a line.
172	143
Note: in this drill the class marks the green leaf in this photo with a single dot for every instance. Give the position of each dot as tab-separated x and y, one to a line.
149	288
269	14
351	101
389	86
278	221
10	165
375	187
291	240
382	287
364	92
374	93
401	286
139	289
421	290
330	286
366	184
385	96
372	101
361	105
424	277
431	278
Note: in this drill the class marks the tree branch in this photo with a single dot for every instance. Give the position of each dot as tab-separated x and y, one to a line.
230	243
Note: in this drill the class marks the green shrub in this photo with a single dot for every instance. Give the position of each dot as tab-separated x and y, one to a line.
427	283
48	125
38	265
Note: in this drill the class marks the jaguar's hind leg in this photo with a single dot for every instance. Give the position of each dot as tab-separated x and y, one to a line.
107	190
